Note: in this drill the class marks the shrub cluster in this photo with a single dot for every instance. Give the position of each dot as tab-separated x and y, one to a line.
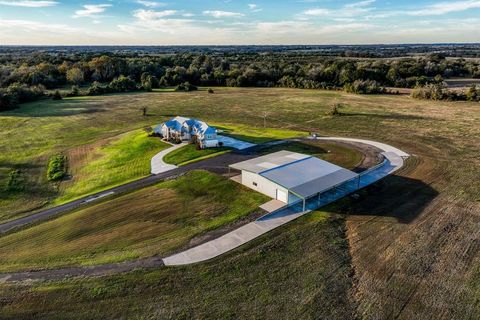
186	86
364	87
57	168
15	182
19	93
120	84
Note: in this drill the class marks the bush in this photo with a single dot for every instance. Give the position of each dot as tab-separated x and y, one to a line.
24	93
57	168
473	94
96	89
15	182
57	95
335	110
19	93
7	101
74	92
122	84
186	86
364	87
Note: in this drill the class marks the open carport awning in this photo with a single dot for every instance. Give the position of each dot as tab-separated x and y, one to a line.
324	183
309	176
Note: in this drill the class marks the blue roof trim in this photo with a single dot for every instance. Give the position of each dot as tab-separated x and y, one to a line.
284	165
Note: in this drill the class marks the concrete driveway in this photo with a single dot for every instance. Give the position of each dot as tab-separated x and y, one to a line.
234	143
157	163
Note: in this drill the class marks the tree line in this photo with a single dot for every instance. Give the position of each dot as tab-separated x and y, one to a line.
26	77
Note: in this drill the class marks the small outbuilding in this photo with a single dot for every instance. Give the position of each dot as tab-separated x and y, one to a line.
294	178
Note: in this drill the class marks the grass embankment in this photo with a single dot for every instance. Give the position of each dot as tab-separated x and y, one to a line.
155	220
118	160
295	272
189	153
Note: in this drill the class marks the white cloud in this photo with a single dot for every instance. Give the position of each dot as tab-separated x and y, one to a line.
349	10
317	12
29	4
151	4
147	15
446	7
254	7
91	10
360	4
222	14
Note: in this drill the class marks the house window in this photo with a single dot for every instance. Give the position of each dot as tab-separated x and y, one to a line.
255	184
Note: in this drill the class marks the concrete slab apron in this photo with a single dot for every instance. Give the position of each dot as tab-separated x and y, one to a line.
393	161
157	163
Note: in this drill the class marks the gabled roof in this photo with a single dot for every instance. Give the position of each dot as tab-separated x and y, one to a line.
309	176
302	174
204	128
269	161
178	122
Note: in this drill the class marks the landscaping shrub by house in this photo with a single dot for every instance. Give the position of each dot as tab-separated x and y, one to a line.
57	168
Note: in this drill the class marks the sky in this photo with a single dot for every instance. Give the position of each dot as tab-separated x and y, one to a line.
237	22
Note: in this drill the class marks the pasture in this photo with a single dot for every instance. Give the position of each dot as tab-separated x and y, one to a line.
408	247
152	221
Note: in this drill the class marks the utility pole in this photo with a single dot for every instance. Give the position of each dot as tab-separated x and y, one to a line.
265	119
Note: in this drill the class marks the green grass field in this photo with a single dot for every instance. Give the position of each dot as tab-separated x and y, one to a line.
152	221
295	272
257	134
190	153
406	249
118	160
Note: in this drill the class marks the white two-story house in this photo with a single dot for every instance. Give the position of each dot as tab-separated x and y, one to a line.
186	129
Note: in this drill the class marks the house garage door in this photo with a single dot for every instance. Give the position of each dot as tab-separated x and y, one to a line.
282	196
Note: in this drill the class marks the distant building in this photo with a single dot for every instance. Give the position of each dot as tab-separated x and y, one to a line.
186	129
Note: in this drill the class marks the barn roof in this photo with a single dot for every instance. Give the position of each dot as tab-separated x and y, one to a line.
269	161
302	174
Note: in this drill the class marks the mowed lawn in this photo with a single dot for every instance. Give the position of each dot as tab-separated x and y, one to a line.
190	153
109	163
153	221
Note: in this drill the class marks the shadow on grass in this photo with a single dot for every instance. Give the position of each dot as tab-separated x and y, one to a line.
399	197
46	108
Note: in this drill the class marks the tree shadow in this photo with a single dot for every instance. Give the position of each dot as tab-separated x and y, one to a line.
394	196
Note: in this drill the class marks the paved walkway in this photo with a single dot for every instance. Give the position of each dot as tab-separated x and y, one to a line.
157	163
393	160
379	145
